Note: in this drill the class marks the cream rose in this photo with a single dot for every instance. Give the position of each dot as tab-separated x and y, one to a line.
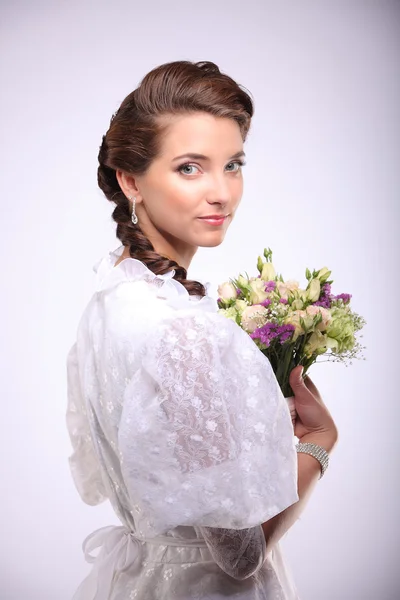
240	305
268	272
314	290
226	291
294	319
323	274
287	287
316	343
282	289
292	285
254	317
326	316
298	304
257	291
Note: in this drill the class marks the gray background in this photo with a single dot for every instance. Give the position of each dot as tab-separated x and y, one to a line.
321	189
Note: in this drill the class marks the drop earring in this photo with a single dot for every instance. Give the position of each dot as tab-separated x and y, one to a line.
133	216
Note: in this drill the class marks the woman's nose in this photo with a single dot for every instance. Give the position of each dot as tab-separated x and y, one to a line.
219	190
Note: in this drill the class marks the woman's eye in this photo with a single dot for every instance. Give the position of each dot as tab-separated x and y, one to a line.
186	166
239	163
180	169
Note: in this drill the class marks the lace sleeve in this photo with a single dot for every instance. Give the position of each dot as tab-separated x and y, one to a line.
83	461
239	552
206	437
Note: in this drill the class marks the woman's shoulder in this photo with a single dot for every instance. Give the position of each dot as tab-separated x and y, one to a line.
110	274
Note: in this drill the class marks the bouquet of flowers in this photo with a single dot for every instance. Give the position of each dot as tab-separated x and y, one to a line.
290	325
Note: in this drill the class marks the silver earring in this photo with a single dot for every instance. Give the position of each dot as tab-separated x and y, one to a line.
134	216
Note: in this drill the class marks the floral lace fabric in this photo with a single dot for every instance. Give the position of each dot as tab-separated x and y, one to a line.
177	419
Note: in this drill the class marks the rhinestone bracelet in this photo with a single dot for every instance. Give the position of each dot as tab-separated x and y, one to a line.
317	452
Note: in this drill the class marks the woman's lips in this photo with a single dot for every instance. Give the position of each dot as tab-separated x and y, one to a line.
213	220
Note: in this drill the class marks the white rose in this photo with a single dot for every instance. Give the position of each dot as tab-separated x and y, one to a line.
240	305
268	272
292	285
226	291
316	343
303	295
294	319
323	274
242	280
297	304
286	287
282	289
257	291
314	290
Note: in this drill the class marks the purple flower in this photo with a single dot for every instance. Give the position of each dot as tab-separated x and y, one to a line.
344	297
270	286
271	331
238	291
265	302
326	297
283	301
326	289
325	303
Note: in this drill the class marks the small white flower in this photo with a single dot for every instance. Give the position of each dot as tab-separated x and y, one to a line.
191	374
247	445
253	380
167	573
211	425
251	402
172	339
176	353
259	427
214	375
215	451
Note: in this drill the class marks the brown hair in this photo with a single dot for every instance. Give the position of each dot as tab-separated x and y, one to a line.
133	140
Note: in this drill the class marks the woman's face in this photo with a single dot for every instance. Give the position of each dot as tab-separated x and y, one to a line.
179	190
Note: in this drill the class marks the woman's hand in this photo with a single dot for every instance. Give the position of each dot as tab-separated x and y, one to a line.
313	418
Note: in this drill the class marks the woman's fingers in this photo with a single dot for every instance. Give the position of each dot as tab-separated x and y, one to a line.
312	388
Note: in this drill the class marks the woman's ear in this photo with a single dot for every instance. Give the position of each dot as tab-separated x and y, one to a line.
127	183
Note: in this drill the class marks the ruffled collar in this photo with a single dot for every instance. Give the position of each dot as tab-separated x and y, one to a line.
132	269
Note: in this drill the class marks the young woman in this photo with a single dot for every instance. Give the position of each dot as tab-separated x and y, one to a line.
174	414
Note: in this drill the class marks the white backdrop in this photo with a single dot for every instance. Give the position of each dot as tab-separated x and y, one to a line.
321	188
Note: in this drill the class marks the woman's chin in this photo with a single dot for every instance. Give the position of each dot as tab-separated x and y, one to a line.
212	241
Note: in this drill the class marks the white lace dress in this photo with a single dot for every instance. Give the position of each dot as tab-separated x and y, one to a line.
177	419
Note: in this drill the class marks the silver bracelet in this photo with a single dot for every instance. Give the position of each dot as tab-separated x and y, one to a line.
317	452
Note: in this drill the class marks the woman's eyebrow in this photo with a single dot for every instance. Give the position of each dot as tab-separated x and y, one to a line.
196	156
